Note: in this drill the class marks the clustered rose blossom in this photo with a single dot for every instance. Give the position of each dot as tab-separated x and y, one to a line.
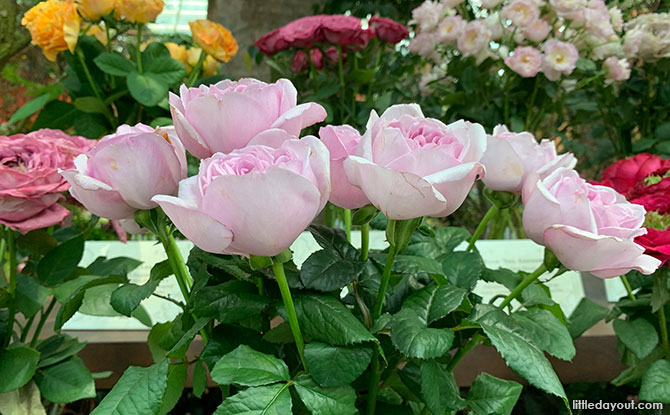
580	27
337	30
643	180
30	185
649	36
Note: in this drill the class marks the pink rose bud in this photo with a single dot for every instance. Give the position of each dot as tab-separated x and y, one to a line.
30	185
526	61
590	228
510	158
227	115
255	200
341	142
126	169
537	31
410	166
616	70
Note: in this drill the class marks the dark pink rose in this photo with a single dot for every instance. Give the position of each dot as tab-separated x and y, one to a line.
299	34
656	243
623	175
388	30
345	31
30	185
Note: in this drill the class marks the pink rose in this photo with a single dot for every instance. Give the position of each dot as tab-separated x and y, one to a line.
450	29
475	38
423	44
299	34
559	58
570	9
521	12
526	61
537	31
344	30
255	200
341	142
30	186
126	169
227	115
427	15
616	70
410	166
388	30
597	20
589	228
510	158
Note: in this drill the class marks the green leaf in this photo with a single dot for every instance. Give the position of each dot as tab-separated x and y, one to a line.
586	314
524	357
58	348
326	319
146	88
439	389
17	367
66	382
462	269
489	395
408	264
362	76
127	298
96	301
326	270
91	126
261	400
199	379
61	262
656	383
227	337
446	239
175	386
659	294
638	335
245	366
29	108
158	331
30	295
138	392
112	266
336	365
547	332
92	105
76	299
327	90
160	271
180	346
433	302
153	51
23	401
166	70
662	132
503	276
325	401
56	114
114	63
332	239
229	302
412	337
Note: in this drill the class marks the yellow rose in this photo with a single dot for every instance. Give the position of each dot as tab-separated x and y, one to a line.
54	26
209	67
95	9
138	11
214	39
98	32
177	52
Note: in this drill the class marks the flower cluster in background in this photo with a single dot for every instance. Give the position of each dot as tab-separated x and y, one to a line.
528	36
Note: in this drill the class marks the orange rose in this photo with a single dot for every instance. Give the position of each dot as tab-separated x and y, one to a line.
214	39
138	11
95	9
177	52
209	67
54	26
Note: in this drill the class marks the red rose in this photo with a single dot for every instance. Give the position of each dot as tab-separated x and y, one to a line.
624	175
656	243
388	30
655	197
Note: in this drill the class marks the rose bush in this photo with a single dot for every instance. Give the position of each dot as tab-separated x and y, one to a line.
31	187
